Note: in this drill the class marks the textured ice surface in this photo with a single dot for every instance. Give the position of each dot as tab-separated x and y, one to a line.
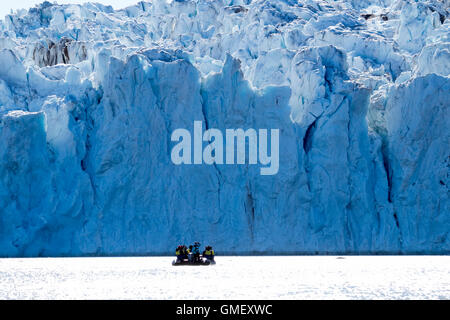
89	97
330	277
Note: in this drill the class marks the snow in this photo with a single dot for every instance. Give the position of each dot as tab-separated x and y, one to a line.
304	277
89	98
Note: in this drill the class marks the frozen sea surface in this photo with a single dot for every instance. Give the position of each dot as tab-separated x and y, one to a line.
90	98
300	277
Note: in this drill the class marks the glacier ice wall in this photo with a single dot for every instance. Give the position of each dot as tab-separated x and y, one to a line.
89	97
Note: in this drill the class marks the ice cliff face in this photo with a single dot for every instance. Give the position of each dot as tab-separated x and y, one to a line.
360	91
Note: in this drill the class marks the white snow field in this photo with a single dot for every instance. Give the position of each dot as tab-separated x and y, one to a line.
257	277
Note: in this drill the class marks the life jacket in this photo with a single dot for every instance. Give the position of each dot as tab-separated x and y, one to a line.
209	252
177	253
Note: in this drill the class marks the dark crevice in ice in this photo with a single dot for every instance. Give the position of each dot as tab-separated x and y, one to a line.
54	53
250	211
88	145
219	174
396	220
388	169
307	139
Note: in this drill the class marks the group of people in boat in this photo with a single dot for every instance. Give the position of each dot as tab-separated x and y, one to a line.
192	253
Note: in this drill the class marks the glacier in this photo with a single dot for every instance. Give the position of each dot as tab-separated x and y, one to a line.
360	91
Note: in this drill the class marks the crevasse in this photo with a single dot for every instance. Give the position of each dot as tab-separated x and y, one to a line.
89	97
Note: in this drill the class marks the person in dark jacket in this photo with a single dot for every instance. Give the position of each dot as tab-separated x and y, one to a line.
179	253
208	253
196	252
189	253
